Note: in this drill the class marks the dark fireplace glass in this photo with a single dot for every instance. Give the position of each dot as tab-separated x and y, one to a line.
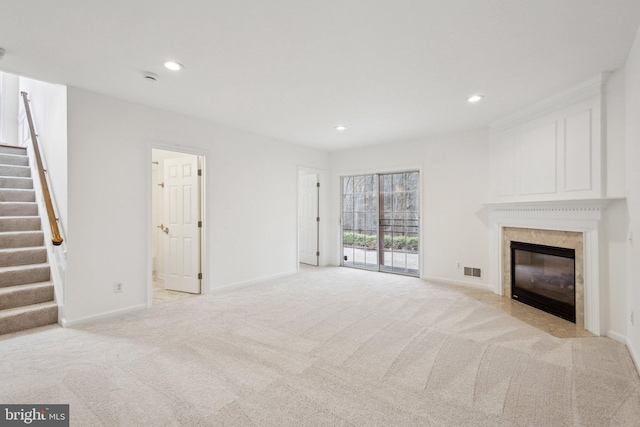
544	277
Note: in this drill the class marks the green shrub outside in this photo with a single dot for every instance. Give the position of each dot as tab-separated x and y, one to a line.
370	241
412	243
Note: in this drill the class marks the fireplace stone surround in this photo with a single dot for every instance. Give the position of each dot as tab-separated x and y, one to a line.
574	224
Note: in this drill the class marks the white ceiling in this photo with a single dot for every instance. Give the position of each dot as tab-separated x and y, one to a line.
294	69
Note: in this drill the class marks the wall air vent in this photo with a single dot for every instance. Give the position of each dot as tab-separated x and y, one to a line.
473	272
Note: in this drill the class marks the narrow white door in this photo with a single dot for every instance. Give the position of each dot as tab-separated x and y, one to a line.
308	219
181	213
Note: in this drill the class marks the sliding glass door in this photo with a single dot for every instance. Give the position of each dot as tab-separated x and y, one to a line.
381	222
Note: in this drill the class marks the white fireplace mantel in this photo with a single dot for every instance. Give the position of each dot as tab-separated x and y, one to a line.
582	216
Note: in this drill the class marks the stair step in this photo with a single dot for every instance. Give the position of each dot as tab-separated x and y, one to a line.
17	195
23	256
16	182
23	274
12	170
14	159
20	223
11	149
31	316
18	209
23	295
21	239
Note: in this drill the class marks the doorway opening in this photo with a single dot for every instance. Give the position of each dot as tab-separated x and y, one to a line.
381	222
309	216
176	221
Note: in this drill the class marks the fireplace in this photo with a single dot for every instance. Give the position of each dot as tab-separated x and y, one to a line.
540	240
572	224
544	277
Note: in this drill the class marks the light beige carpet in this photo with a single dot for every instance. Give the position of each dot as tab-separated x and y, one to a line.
326	347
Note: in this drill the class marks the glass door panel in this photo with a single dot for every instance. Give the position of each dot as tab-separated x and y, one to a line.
399	223
360	221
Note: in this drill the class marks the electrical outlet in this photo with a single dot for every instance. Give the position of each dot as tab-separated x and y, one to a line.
458	265
117	288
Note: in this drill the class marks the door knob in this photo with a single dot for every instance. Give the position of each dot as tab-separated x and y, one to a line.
164	229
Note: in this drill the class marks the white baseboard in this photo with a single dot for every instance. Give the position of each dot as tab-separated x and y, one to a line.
482	286
634	355
624	340
252	282
67	323
618	337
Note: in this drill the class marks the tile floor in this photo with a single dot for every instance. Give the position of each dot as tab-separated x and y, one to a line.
537	318
162	295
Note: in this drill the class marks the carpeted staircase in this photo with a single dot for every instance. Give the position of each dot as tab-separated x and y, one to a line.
26	293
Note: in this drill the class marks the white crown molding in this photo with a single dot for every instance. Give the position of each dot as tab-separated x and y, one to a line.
579	93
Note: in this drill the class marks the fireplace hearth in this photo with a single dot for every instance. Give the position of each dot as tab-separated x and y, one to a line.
544	277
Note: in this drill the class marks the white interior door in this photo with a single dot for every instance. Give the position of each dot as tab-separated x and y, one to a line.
181	214
308	219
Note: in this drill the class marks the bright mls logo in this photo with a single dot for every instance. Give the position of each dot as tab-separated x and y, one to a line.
34	415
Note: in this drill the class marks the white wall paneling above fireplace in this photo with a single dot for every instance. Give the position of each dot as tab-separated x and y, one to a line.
551	151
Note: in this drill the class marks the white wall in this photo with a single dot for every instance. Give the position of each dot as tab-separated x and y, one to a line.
632	104
49	110
9	110
615	219
614	113
455	182
614	284
251	188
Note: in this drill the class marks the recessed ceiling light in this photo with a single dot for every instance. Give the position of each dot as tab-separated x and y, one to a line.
172	65
475	98
341	128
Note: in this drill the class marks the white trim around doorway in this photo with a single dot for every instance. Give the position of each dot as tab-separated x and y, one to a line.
205	250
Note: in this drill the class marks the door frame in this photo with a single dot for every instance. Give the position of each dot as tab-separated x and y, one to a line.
321	213
204	209
382	171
